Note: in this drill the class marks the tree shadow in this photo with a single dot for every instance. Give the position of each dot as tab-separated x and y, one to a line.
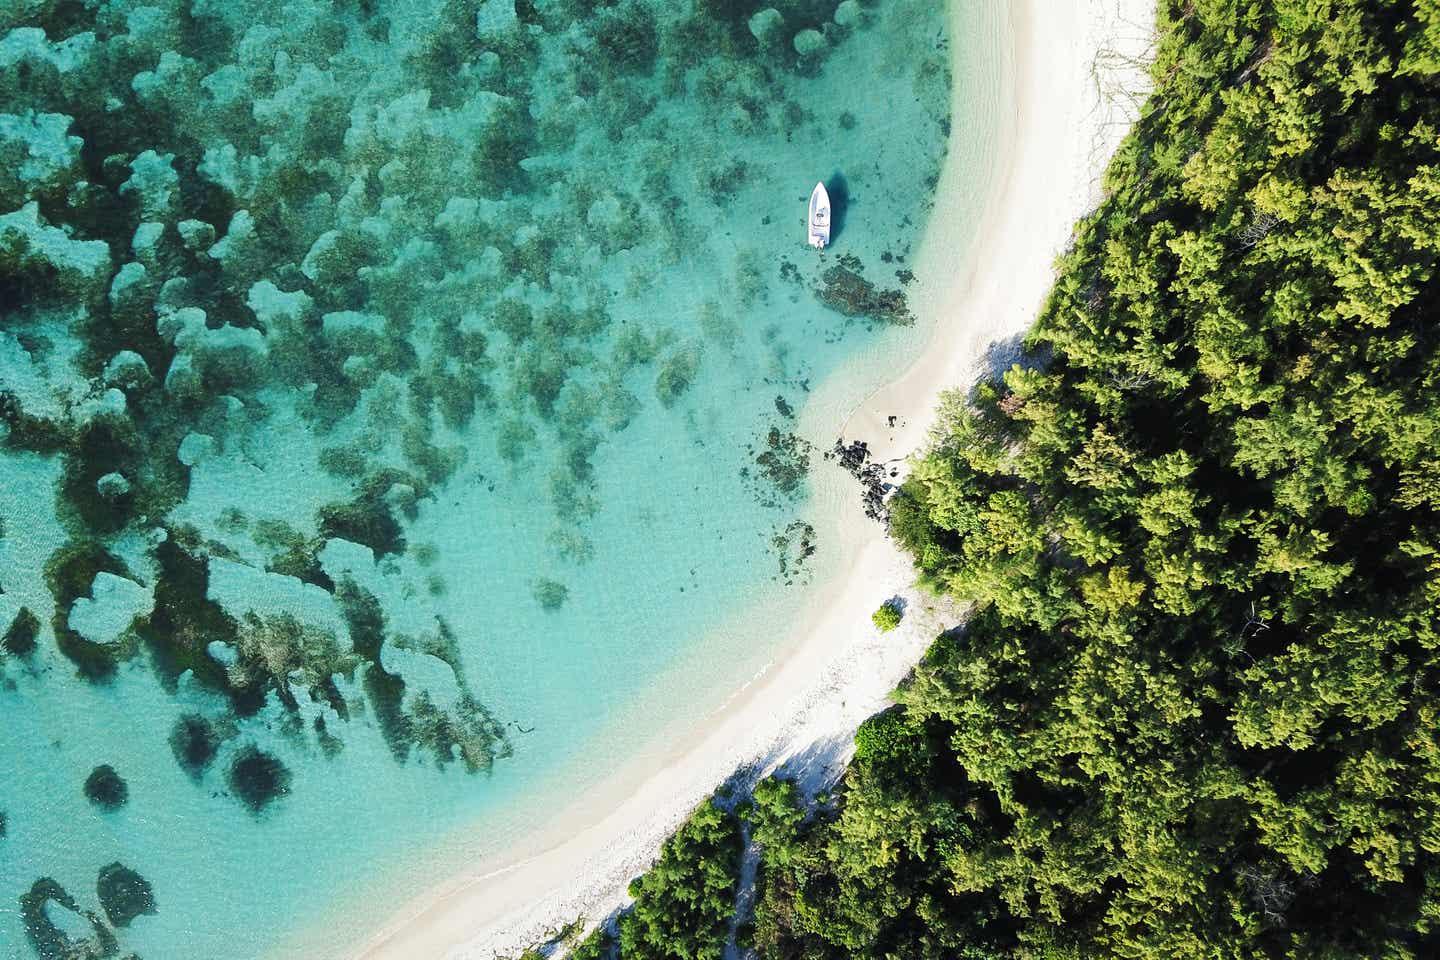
1001	355
814	769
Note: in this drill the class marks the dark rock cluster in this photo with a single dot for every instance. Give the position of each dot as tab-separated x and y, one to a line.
874	477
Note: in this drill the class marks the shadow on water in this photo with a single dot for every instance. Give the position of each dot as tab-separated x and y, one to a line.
839	190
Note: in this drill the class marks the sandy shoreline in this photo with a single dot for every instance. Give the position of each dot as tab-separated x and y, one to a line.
981	285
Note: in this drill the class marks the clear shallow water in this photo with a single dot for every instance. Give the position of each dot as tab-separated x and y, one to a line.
395	394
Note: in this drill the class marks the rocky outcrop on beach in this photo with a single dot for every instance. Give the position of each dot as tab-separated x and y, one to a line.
874	478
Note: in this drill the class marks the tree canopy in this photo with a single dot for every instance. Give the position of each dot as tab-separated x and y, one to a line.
1194	713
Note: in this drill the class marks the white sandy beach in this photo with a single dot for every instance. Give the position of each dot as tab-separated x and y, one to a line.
1068	92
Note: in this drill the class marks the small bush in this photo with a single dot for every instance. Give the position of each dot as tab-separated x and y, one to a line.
887	735
887	617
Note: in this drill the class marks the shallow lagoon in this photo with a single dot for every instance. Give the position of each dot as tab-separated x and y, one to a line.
394	395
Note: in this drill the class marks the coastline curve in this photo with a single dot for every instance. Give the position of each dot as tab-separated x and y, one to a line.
1060	119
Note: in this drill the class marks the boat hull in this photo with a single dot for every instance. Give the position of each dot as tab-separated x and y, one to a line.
819	219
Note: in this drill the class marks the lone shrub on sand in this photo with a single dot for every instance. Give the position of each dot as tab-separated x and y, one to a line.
887	617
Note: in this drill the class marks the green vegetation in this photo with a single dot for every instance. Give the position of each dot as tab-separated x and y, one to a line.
684	902
887	616
1194	711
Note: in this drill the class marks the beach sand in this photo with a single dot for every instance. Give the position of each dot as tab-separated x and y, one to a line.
1073	77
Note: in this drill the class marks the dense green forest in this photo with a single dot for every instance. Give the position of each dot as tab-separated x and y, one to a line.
1194	713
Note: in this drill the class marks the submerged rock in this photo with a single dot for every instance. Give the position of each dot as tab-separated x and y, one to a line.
810	43
112	486
114	603
367	520
677	372
793	547
106	789
124	894
626	37
257	778
145	244
194	742
154	182
197	235
36	154
126	368
71	573
195	449
781	464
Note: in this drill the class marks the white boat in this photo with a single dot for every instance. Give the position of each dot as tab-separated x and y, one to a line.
819	217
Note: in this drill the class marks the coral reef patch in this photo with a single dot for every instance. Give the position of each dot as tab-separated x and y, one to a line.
194	742
19	638
550	594
781	463
844	288
106	789
124	894
793	546
48	940
257	779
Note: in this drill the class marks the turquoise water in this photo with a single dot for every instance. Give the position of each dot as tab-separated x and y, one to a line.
394	395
